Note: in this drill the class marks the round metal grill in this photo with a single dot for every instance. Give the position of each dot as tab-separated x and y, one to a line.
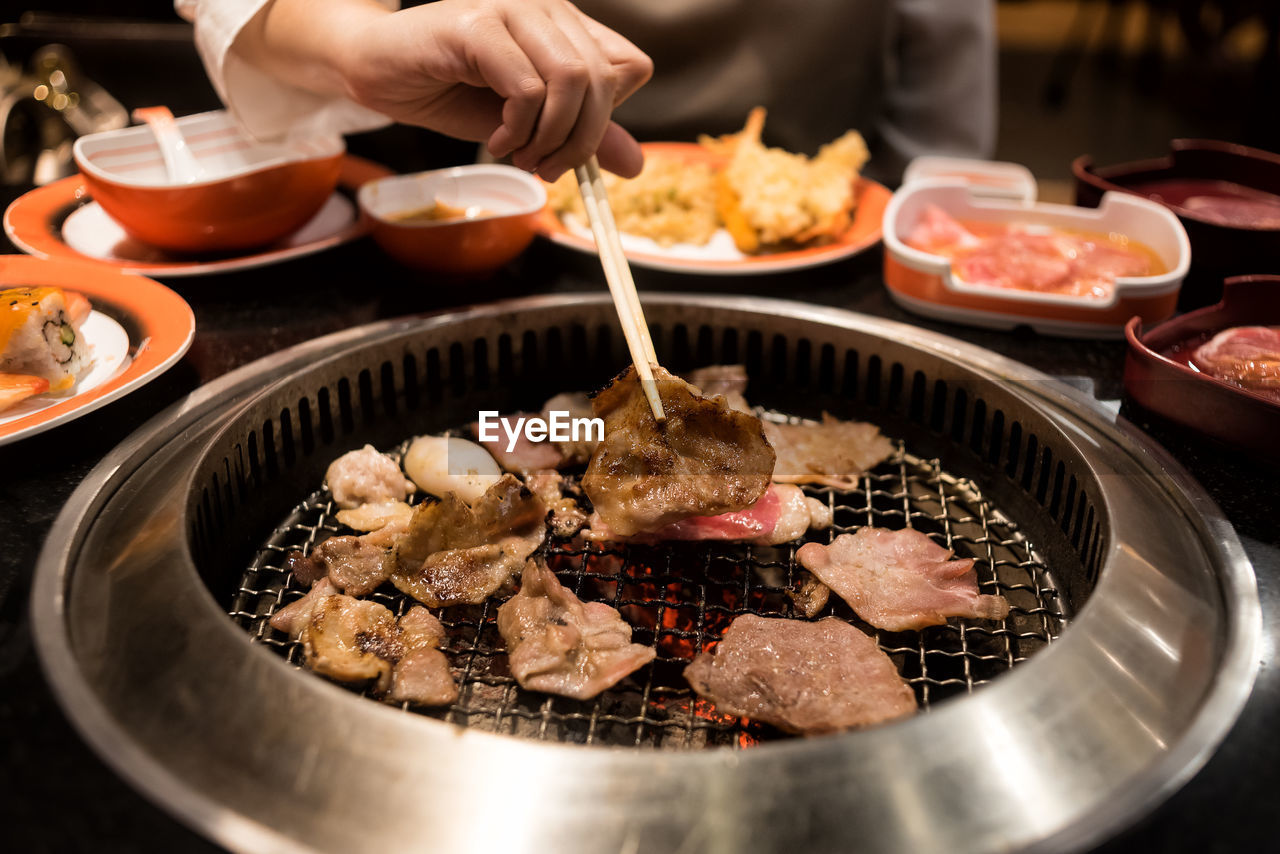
680	598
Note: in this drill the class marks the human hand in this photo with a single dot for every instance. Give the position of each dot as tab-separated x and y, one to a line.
534	79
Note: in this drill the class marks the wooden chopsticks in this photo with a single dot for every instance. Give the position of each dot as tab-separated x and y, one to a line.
617	273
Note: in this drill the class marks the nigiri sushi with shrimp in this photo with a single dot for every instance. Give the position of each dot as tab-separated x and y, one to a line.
41	348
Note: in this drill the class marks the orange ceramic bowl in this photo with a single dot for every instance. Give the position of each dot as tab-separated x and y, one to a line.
502	202
255	193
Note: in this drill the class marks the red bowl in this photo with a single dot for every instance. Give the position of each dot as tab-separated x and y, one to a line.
1158	377
1218	250
255	193
505	203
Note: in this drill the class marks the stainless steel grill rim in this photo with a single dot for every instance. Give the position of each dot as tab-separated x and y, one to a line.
681	787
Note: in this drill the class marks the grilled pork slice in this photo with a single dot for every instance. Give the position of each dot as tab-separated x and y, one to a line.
560	645
453	553
366	476
421	674
900	580
357	640
833	453
805	678
293	618
706	459
356	566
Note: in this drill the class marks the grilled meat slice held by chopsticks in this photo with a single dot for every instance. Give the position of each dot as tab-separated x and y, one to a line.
704	460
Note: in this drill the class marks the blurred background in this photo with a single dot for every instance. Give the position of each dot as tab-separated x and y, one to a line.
1116	79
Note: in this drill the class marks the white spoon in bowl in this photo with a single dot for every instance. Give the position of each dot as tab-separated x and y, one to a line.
179	162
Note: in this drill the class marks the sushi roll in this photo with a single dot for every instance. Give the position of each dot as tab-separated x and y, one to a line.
40	334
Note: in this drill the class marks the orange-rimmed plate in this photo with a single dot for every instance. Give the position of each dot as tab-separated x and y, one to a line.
62	221
720	257
138	329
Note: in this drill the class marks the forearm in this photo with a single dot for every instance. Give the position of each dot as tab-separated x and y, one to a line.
307	42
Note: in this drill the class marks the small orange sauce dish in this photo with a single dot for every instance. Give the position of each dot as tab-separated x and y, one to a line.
251	194
461	220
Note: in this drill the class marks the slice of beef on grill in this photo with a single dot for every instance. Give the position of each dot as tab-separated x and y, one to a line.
805	678
900	580
706	458
558	644
453	553
354	565
784	513
833	453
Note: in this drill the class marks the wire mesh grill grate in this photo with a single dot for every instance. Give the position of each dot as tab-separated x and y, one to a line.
681	597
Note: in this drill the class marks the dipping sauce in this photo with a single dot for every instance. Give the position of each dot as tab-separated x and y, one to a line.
1245	356
1029	257
437	212
1219	202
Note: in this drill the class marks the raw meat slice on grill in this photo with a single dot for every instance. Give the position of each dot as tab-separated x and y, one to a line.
453	553
706	459
558	644
900	580
1248	356
728	381
804	678
525	455
833	453
784	513
366	476
355	566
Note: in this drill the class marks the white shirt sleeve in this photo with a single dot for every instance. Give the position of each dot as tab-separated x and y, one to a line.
941	82
265	106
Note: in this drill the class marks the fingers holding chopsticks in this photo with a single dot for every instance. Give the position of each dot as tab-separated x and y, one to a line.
582	70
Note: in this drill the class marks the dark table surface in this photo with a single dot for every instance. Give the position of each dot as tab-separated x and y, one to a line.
55	795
